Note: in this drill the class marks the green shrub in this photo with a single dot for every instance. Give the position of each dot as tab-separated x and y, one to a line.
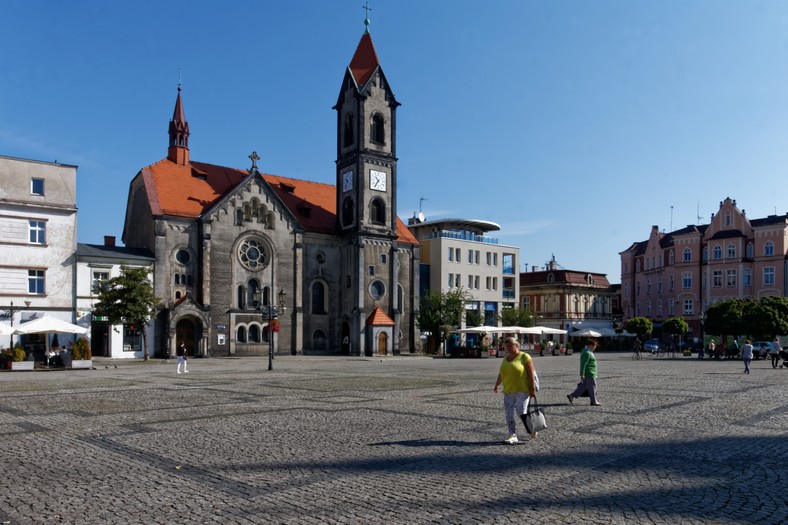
18	354
81	350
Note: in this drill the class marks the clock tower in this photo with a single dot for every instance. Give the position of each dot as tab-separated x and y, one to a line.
366	195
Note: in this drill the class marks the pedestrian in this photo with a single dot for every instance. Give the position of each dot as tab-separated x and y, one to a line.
587	375
712	353
181	353
774	352
517	376
700	348
746	355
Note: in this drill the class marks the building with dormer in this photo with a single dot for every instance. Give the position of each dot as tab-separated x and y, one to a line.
246	259
682	273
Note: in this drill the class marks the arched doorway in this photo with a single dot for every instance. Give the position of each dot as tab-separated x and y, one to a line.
184	333
382	343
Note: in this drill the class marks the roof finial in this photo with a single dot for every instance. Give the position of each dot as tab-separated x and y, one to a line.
179	79
255	157
367	9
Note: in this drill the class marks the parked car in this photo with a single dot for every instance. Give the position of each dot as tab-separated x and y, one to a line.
652	345
760	349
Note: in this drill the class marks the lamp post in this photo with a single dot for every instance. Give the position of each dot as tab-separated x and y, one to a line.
269	312
11	311
702	318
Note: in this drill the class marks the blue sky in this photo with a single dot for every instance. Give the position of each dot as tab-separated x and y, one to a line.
575	125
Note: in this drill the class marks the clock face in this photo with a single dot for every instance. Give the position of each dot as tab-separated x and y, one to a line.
377	180
347	181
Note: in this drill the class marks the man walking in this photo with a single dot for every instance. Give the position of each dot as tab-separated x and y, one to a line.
181	353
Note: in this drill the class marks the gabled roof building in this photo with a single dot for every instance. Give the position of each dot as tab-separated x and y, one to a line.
246	259
683	272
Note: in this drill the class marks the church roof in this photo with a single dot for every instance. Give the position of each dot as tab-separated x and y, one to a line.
379	318
364	61
192	189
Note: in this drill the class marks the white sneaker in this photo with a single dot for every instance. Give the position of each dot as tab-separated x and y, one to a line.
185	371
512	440
179	371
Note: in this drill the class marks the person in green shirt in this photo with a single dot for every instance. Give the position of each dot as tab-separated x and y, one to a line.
517	376
587	375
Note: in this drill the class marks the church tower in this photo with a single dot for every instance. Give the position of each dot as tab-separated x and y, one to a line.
366	191
178	152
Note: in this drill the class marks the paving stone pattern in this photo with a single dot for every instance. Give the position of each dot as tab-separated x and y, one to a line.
394	440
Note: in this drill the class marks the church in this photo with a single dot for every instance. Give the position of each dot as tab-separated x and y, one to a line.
248	263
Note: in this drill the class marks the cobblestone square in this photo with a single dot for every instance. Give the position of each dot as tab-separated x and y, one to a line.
392	440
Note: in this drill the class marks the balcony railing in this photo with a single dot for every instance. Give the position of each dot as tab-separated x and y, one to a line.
464	236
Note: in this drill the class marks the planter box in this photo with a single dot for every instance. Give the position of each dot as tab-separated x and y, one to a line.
82	363
22	365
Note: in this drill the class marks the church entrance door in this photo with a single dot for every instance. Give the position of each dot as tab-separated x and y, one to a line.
382	343
184	333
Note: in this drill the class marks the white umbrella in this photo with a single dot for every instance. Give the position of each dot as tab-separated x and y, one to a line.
6	329
586	332
48	324
478	330
548	330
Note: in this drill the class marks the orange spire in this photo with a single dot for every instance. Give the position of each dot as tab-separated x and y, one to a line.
178	151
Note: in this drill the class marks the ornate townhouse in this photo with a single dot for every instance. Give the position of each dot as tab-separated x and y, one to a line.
568	299
682	272
245	259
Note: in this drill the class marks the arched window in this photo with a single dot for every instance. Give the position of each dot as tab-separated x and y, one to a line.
241	335
239	217
727	218
671	258
241	297
319	298
347	212
750	250
768	249
378	132
687	255
252	288
377	211
319	341
349	130
254	334
731	251
717	251
177	279
269	221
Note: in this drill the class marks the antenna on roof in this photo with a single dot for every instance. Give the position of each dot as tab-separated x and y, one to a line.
698	214
421	201
671	217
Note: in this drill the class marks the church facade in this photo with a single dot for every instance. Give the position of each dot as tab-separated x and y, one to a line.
248	262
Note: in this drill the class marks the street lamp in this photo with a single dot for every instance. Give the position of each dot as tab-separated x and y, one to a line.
702	318
269	312
10	312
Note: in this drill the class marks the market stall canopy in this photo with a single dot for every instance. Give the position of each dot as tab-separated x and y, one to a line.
49	324
626	334
6	329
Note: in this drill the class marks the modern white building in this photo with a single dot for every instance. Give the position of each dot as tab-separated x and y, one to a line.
457	253
98	263
38	238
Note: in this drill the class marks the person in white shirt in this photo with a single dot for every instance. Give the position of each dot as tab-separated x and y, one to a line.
774	352
746	355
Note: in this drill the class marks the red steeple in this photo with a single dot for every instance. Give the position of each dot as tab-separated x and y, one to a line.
178	151
364	62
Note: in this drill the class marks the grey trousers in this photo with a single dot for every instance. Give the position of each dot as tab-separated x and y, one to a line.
589	383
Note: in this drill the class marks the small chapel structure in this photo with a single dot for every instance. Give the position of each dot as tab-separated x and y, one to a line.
248	262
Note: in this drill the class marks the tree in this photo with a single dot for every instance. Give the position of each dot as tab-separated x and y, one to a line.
766	318
127	298
726	317
675	326
517	317
639	325
439	311
473	318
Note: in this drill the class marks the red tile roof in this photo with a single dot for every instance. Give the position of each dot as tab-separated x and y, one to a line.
190	190
364	61
379	318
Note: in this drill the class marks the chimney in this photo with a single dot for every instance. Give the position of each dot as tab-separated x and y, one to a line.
109	240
